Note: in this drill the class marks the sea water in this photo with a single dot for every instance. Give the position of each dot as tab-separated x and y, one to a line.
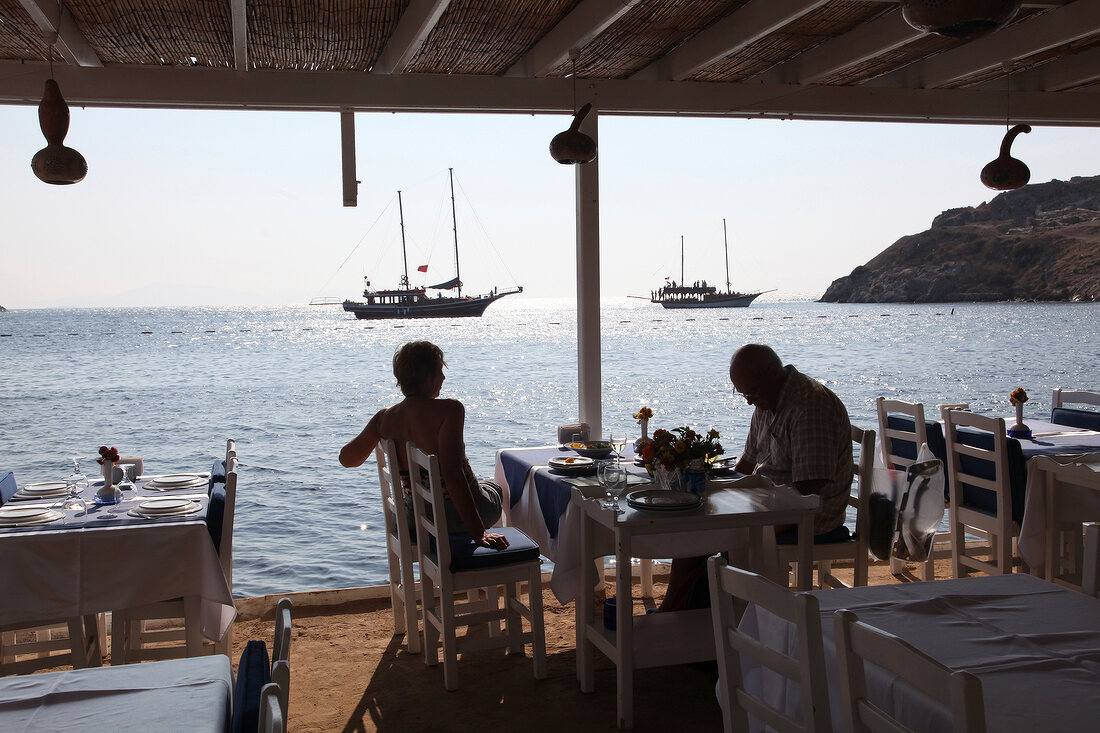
293	384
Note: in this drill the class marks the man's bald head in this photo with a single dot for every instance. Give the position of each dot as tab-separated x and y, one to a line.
757	373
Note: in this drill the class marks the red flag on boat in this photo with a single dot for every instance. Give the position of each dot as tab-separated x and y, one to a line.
422	268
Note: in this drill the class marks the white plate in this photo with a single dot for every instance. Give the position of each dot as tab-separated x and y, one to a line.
176	478
193	507
45	487
663	500
49	516
24	496
22	513
157	486
162	506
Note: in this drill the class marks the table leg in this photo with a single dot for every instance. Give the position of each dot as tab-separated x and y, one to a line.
806	551
192	618
586	598
624	629
1052	551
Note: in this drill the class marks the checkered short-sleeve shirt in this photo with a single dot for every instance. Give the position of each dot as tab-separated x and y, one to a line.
808	437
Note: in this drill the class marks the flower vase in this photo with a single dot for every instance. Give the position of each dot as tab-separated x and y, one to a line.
695	476
669	478
644	422
108	493
1019	430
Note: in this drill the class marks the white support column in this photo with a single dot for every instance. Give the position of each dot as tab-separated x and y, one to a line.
347	157
589	375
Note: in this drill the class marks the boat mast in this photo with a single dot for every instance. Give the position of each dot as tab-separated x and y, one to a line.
682	281
404	257
454	224
726	244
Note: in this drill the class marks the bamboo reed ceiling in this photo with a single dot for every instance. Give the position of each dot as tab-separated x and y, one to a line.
824	56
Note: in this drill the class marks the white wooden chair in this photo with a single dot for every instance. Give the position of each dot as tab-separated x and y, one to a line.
1090	576
132	637
892	440
467	569
857	642
401	551
1063	396
857	548
280	653
272	719
999	526
731	590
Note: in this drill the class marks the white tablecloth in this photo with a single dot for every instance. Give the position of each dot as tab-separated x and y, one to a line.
180	694
1078	498
1034	645
52	574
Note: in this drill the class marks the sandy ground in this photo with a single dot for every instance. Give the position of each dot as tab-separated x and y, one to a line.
349	673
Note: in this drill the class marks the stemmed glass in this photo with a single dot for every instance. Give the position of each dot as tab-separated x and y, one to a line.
77	483
613	480
618	442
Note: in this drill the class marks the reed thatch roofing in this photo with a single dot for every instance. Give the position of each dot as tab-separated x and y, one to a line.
828	59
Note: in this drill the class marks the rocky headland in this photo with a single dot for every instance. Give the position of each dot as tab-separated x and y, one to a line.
1039	242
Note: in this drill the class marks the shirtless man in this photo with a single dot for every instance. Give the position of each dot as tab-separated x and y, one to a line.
435	426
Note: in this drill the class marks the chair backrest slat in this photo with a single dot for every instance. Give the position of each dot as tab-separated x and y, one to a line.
732	589
271	714
225	546
895	438
864	472
428	507
858	642
1083	397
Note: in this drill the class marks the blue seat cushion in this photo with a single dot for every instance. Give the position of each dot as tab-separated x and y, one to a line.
214	514
217	474
1074	418
984	500
790	536
466	555
253	673
8	487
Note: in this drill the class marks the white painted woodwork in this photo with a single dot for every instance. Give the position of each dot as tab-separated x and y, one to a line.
412	30
347	158
54	17
239	13
581	25
748	24
589	370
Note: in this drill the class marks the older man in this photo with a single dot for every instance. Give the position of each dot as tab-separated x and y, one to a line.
800	435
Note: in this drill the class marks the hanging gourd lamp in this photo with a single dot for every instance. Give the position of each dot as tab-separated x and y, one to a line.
1007	173
958	18
573	146
56	163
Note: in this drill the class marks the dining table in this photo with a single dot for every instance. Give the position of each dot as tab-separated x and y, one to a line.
733	516
1034	645
1062	491
81	562
193	694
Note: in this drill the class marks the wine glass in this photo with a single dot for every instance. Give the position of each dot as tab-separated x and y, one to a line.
76	484
612	479
618	442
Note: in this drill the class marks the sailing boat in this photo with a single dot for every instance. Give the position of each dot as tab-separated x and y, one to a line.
409	302
701	295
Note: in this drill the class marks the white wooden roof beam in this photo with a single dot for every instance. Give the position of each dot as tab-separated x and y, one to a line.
1064	25
581	25
750	23
865	41
418	20
239	14
261	89
54	17
1067	73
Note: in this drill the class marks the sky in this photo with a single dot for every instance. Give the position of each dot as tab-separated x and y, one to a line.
239	208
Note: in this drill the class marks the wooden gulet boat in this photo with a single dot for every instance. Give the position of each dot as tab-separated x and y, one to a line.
701	295
408	302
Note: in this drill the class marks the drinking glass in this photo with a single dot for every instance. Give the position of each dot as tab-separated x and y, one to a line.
612	478
618	442
76	484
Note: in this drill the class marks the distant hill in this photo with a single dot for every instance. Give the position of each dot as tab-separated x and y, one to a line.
1039	242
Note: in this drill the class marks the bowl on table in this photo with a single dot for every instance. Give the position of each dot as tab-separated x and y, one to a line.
592	448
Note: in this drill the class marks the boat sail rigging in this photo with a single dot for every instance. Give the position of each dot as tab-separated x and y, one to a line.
699	294
407	301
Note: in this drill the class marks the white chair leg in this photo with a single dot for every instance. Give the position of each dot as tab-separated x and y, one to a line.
646	571
538	643
513	625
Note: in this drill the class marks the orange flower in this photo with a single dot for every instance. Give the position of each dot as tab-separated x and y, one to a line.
1018	396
